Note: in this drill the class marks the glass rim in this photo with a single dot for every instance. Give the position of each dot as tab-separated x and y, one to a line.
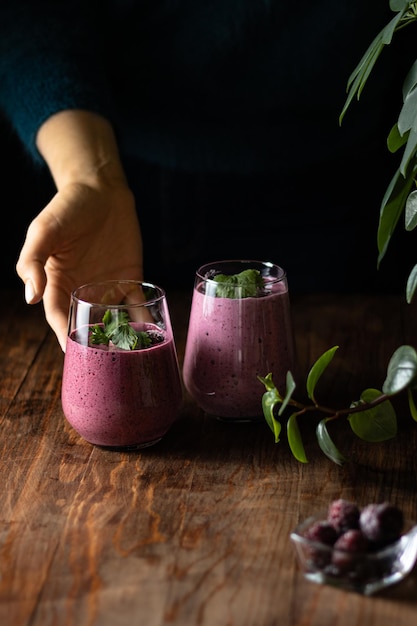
160	293
201	272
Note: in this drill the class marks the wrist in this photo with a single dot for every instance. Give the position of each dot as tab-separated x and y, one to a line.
80	147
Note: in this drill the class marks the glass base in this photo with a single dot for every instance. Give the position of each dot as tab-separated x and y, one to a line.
364	588
238	420
129	447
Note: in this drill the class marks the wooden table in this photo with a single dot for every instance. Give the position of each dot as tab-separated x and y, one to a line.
195	530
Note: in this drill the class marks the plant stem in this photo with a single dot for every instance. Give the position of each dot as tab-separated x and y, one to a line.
361	406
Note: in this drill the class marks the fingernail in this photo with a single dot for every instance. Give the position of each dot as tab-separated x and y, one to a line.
29	292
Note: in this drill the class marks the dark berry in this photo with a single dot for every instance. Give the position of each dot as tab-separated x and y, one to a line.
155	336
352	540
347	548
320	532
381	523
323	532
341	544
343	515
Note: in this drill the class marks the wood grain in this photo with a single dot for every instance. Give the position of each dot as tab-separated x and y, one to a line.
195	530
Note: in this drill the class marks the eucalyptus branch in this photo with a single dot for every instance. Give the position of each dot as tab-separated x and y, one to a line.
338	413
371	418
401	195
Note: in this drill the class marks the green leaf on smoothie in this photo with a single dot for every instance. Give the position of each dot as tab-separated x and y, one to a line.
246	284
117	330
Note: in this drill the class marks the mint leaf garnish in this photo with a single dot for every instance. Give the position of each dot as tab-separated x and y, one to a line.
116	328
98	336
249	281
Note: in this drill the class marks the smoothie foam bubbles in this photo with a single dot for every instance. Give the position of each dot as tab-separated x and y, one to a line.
121	385
121	398
231	340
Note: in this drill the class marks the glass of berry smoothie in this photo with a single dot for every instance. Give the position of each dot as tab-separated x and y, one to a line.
121	385
239	327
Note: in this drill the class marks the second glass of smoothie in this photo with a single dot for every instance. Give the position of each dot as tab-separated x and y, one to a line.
239	327
121	385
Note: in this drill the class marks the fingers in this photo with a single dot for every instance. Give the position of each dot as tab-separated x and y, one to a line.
67	246
38	248
34	278
30	266
56	304
55	301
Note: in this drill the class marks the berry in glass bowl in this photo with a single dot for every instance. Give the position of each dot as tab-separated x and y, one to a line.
358	549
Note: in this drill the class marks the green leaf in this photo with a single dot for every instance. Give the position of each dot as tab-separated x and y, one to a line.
246	284
360	74
411	211
376	424
267	381
317	370
98	336
411	285
124	337
108	318
396	141
269	400
289	391
409	152
326	444
402	370
295	440
399	5
408	114
117	329
410	81
412	405
392	207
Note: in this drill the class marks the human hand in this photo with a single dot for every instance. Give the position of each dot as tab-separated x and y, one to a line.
86	233
89	231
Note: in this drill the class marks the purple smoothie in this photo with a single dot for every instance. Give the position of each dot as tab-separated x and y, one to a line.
121	398
232	340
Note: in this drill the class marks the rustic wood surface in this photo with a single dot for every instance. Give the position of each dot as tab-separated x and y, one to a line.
195	530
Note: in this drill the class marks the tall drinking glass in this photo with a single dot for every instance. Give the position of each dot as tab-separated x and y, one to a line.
239	327
121	386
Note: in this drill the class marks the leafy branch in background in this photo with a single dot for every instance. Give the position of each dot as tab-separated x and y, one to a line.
372	418
401	194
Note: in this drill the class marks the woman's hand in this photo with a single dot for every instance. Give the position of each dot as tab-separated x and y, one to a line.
89	231
82	235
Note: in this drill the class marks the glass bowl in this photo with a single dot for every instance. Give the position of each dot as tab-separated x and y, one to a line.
365	572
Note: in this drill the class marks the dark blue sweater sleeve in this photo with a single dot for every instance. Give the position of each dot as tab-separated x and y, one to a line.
49	61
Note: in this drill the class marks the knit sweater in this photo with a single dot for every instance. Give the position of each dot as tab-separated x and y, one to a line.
240	85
